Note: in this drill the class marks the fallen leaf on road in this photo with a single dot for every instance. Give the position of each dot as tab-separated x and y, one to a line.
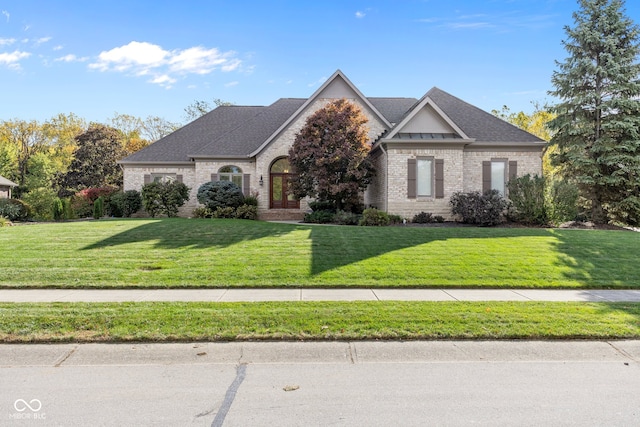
291	387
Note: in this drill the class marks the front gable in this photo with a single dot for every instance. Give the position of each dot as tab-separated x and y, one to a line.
338	86
428	123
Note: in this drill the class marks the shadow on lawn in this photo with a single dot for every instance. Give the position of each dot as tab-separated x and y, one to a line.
331	247
599	258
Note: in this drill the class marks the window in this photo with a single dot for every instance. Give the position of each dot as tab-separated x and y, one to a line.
424	177
498	171
163	177
231	173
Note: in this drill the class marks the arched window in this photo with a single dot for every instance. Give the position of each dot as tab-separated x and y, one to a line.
231	173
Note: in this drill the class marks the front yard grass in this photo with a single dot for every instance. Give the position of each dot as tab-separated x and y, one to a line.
172	321
176	252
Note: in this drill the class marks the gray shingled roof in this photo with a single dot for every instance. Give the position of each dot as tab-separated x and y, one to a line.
476	123
237	131
6	183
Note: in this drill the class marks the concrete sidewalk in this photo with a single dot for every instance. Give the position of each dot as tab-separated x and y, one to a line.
311	294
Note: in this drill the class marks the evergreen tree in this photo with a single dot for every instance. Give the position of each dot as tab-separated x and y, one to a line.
597	128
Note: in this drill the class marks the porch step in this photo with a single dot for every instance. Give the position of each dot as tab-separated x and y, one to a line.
281	215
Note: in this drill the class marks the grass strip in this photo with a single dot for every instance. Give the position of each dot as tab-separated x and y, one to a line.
177	321
180	253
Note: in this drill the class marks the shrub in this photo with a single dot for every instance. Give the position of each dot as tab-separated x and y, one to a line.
164	197
251	200
202	212
15	209
5	222
98	208
423	218
247	211
395	219
322	205
8	210
562	202
67	211
526	194
226	212
124	204
41	202
220	194
319	217
481	209
346	218
58	209
374	217
81	206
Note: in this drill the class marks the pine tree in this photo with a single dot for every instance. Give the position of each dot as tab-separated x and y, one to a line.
597	128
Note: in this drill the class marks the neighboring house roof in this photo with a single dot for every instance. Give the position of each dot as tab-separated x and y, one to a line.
242	131
6	183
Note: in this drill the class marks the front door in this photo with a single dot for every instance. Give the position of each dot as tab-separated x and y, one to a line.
278	194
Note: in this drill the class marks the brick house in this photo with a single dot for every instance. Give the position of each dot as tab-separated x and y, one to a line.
5	187
424	149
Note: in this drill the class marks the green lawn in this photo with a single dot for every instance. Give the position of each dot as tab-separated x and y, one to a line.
161	322
232	253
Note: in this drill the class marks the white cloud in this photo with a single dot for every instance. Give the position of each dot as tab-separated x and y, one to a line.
7	42
146	59
5	13
41	40
232	84
320	81
360	14
71	58
58	47
12	60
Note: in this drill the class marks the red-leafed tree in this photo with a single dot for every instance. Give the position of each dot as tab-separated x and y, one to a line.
330	156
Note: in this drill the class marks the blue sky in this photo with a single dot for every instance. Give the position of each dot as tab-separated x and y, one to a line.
95	58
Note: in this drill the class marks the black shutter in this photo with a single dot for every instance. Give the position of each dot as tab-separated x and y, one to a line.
411	178
214	177
439	178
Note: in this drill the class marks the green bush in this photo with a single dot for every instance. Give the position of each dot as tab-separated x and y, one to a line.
124	204
202	212
423	218
67	211
251	200
481	209
5	222
346	218
319	217
247	211
41	202
58	210
98	208
226	212
220	194
322	205
526	194
395	219
374	217
8	210
562	202
164	197
24	212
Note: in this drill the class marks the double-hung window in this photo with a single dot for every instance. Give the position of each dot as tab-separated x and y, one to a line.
425	177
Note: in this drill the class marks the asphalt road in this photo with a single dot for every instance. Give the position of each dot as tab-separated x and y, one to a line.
441	383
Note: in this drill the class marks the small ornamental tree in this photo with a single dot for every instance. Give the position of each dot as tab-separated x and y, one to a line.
330	156
164	197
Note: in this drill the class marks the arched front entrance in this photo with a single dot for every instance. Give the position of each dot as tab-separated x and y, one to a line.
278	194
